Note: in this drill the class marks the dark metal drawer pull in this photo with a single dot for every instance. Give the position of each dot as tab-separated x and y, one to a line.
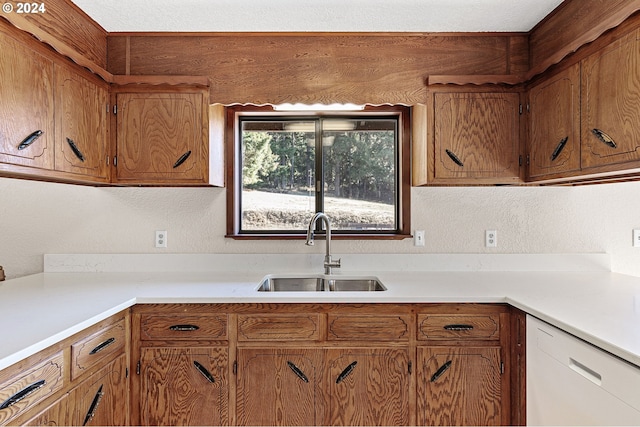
344	374
30	139
455	158
458	327
12	400
441	371
75	149
603	137
298	372
184	328
559	148
205	373
103	345
182	159
94	406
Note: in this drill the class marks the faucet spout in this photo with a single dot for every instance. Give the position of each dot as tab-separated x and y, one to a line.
329	263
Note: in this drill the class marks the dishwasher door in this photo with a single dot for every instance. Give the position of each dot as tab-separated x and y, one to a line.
570	382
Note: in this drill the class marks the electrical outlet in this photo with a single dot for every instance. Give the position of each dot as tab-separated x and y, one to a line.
418	238
636	238
161	239
491	238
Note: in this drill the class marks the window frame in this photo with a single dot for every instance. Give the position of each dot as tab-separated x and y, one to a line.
234	171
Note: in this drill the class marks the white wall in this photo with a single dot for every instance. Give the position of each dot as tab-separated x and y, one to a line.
38	218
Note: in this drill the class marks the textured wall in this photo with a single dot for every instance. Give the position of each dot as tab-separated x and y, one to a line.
38	218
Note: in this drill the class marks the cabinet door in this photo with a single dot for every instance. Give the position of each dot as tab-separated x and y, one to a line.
26	106
279	387
184	386
554	124
56	414
611	104
476	136
102	399
368	386
160	138
459	386
81	125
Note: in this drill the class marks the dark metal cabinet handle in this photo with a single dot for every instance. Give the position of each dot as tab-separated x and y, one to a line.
30	139
75	149
559	148
205	373
603	137
458	327
184	328
298	372
103	345
440	371
12	400
347	371
94	406
182	159
455	158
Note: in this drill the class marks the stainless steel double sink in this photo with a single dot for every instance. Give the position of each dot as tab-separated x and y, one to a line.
320	283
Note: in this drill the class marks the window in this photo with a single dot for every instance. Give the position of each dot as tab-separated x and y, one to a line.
353	166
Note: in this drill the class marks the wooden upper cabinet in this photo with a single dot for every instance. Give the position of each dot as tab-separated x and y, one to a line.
611	104
26	106
81	125
162	138
554	125
476	137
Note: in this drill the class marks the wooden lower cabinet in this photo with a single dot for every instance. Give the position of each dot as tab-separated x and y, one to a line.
101	400
459	386
56	414
184	386
368	386
421	364
279	387
310	386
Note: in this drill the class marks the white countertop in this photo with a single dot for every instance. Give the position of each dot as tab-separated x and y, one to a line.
39	310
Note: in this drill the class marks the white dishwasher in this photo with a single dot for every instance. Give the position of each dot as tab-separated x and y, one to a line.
570	382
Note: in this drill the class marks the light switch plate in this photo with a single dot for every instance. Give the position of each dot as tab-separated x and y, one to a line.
636	238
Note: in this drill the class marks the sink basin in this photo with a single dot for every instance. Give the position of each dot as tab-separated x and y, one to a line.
320	283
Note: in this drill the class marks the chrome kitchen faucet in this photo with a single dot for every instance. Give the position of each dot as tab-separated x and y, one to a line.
328	262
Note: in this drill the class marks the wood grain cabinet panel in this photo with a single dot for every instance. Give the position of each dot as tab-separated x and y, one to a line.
184	386
81	125
280	387
26	106
160	138
100	347
554	124
476	136
56	414
183	327
256	327
368	327
368	386
102	399
31	387
455	327
460	386
611	104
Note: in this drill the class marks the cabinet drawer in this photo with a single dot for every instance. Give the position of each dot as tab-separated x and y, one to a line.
180	327
455	327
100	347
27	389
368	327
266	327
